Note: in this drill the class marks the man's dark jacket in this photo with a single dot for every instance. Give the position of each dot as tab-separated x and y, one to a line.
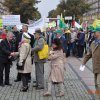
5	50
15	41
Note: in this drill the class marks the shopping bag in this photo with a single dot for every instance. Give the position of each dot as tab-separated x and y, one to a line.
43	54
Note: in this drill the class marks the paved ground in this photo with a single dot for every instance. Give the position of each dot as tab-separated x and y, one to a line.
78	85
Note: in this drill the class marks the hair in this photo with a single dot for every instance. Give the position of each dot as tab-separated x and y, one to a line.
38	30
25	26
58	43
9	33
13	26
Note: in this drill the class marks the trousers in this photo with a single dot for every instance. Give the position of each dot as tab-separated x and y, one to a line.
5	66
39	72
24	79
97	86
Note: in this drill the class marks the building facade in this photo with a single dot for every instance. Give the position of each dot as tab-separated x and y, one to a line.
93	13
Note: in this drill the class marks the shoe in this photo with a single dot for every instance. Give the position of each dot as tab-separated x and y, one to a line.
60	94
55	83
39	88
2	85
8	84
47	94
35	85
24	89
17	80
34	81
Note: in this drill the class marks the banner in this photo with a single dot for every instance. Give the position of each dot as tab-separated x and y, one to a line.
11	20
40	22
77	25
37	24
1	23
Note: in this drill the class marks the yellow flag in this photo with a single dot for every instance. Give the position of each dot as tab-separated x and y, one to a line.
96	23
52	24
81	25
1	23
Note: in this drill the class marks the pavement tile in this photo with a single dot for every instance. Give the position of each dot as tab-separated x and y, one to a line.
74	86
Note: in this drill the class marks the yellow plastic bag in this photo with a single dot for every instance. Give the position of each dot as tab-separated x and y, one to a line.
43	54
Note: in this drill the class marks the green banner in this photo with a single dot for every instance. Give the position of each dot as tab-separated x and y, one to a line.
1	23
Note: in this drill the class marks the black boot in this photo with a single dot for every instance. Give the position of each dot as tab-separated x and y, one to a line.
24	89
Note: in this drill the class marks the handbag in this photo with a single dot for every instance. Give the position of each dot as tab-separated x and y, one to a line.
21	67
43	54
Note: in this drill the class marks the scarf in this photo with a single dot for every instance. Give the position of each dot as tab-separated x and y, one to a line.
97	41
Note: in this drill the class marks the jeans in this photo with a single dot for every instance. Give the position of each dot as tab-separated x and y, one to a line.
80	50
68	50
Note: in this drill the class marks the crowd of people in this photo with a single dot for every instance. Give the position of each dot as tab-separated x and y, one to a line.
75	41
24	47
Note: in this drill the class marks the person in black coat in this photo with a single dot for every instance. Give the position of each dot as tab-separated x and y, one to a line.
15	39
5	58
80	41
20	37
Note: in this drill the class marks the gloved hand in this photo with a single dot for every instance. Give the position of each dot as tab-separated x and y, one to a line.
82	67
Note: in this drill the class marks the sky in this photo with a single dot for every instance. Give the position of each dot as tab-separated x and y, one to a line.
47	5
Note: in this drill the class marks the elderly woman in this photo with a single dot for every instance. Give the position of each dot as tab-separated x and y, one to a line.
25	55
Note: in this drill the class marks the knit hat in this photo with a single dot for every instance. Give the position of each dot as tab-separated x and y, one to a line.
97	29
58	31
68	31
38	31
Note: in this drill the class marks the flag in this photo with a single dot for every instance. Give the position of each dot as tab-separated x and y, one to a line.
1	23
52	24
73	21
85	25
82	25
62	18
61	23
77	25
96	23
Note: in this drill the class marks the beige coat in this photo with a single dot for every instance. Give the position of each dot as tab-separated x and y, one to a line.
57	66
94	53
23	51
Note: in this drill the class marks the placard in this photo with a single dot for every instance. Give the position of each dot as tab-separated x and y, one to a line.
11	20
